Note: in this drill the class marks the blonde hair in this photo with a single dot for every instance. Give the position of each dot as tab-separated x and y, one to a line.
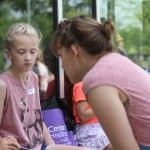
20	29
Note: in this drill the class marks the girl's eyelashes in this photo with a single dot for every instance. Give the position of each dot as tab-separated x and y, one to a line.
22	51
33	51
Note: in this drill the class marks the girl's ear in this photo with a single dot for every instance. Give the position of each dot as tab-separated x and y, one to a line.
74	49
6	53
8	60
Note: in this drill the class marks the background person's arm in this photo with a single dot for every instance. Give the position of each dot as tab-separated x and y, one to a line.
110	111
47	137
79	99
2	97
65	147
83	110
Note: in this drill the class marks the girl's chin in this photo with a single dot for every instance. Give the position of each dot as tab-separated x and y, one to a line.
28	68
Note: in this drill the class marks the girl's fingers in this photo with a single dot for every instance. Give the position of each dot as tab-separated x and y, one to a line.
11	143
14	144
11	138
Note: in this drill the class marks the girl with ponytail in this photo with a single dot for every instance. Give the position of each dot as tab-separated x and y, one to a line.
116	88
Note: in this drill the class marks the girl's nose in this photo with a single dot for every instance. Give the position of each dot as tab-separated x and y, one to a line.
28	56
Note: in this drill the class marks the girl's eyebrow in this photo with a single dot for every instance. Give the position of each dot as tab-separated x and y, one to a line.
20	49
33	49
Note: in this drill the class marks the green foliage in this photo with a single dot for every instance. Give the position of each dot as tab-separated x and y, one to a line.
132	40
76	8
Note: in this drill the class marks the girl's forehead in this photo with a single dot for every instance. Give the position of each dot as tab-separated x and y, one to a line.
23	39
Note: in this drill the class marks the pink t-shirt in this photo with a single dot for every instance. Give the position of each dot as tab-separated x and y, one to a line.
22	112
120	72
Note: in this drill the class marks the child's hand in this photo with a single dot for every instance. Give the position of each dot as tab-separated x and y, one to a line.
64	147
9	143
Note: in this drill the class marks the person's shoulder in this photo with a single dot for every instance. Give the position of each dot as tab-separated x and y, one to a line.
32	74
33	77
41	65
4	75
2	84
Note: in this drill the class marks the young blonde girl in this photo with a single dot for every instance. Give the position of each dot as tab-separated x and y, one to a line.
20	111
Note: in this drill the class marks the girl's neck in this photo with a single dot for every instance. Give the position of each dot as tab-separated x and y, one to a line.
23	76
94	58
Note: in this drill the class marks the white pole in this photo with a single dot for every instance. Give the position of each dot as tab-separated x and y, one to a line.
61	70
29	11
98	10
